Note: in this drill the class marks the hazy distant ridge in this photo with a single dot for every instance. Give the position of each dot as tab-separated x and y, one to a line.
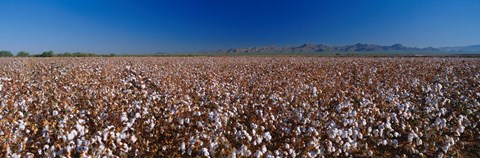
359	47
472	48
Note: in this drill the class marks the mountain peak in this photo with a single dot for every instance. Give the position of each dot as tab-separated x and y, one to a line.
398	45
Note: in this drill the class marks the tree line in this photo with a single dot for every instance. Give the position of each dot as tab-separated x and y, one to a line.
51	54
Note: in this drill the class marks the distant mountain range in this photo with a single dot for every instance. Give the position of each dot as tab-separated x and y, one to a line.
313	48
472	48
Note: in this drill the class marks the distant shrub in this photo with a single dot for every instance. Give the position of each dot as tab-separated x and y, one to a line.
5	53
66	54
46	54
23	54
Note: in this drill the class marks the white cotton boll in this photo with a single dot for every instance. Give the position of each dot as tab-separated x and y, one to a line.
312	153
122	135
197	113
440	155
450	140
80	129
15	155
396	134
346	122
331	149
125	147
81	121
258	154
346	146
364	122
180	121
410	137
249	138
253	125
246	133
438	121
344	134
264	149
443	111
329	143
354	145
244	151
298	131
152	125
133	138
213	147
443	123
419	142
446	147
20	114
259	140
199	124
338	132
238	134
182	147
21	125
355	133
292	152
461	129
438	86
105	136
349	132
124	117
338	140
375	132
212	116
205	152
350	140
395	143
370	153
267	136
460	119
338	152
72	134
388	125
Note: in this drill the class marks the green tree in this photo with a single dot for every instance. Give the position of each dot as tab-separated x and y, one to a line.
23	54
66	54
47	54
5	53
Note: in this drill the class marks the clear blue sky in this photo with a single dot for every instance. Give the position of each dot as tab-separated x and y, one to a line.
148	26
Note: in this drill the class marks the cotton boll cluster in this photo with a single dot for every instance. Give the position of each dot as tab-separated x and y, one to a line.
238	107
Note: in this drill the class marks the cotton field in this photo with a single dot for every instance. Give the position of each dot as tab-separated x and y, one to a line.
239	107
